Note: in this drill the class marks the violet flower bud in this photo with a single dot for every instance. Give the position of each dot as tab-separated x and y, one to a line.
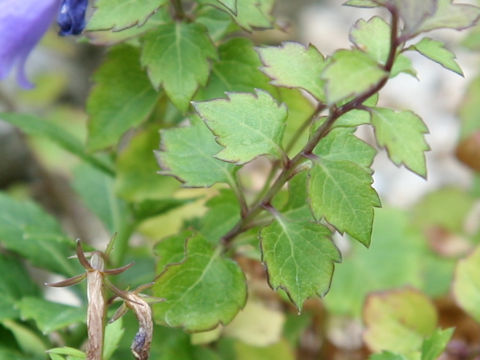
22	25
71	17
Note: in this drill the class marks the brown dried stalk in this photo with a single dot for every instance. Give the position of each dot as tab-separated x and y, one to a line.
95	274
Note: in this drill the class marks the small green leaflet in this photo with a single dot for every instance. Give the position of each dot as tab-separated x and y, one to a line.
466	286
204	290
450	15
402	133
50	316
349	73
299	257
122	14
341	192
247	125
434	346
237	70
378	46
122	98
188	154
176	57
294	65
436	51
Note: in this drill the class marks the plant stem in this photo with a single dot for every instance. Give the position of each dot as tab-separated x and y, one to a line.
289	169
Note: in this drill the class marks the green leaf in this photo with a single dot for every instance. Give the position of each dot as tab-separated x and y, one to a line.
466	286
222	215
38	127
28	230
414	13
377	46
247	125
97	191
218	22
121	14
237	70
203	291
27	340
50	316
341	192
436	51
450	15
188	154
300	257
172	249
434	346
150	208
138	180
350	73
341	144
122	97
362	3
293	65
387	355
183	61
398	321
10	354
113	335
402	133
71	353
394	246
229	4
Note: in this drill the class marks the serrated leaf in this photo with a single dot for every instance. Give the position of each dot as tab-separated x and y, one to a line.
349	73
35	126
172	249
183	61
341	192
450	15
207	275
434	346
436	51
341	144
122	98
414	13
295	66
378	45
247	125
50	316
121	14
37	236
299	257
138	180
402	134
188	154
466	285
398	320
237	70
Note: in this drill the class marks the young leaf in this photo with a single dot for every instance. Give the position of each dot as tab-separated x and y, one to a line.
305	74
38	127
122	97
299	257
121	14
341	144
341	192
450	15
188	154
237	70
466	286
402	133
247	125
349	73
434	346
201	292
37	236
398	321
50	316
183	62
436	51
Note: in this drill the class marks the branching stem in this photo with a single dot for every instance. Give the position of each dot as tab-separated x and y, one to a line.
335	112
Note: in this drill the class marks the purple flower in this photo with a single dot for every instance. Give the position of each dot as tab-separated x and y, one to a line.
71	17
24	22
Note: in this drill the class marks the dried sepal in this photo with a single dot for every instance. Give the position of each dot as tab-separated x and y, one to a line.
68	282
